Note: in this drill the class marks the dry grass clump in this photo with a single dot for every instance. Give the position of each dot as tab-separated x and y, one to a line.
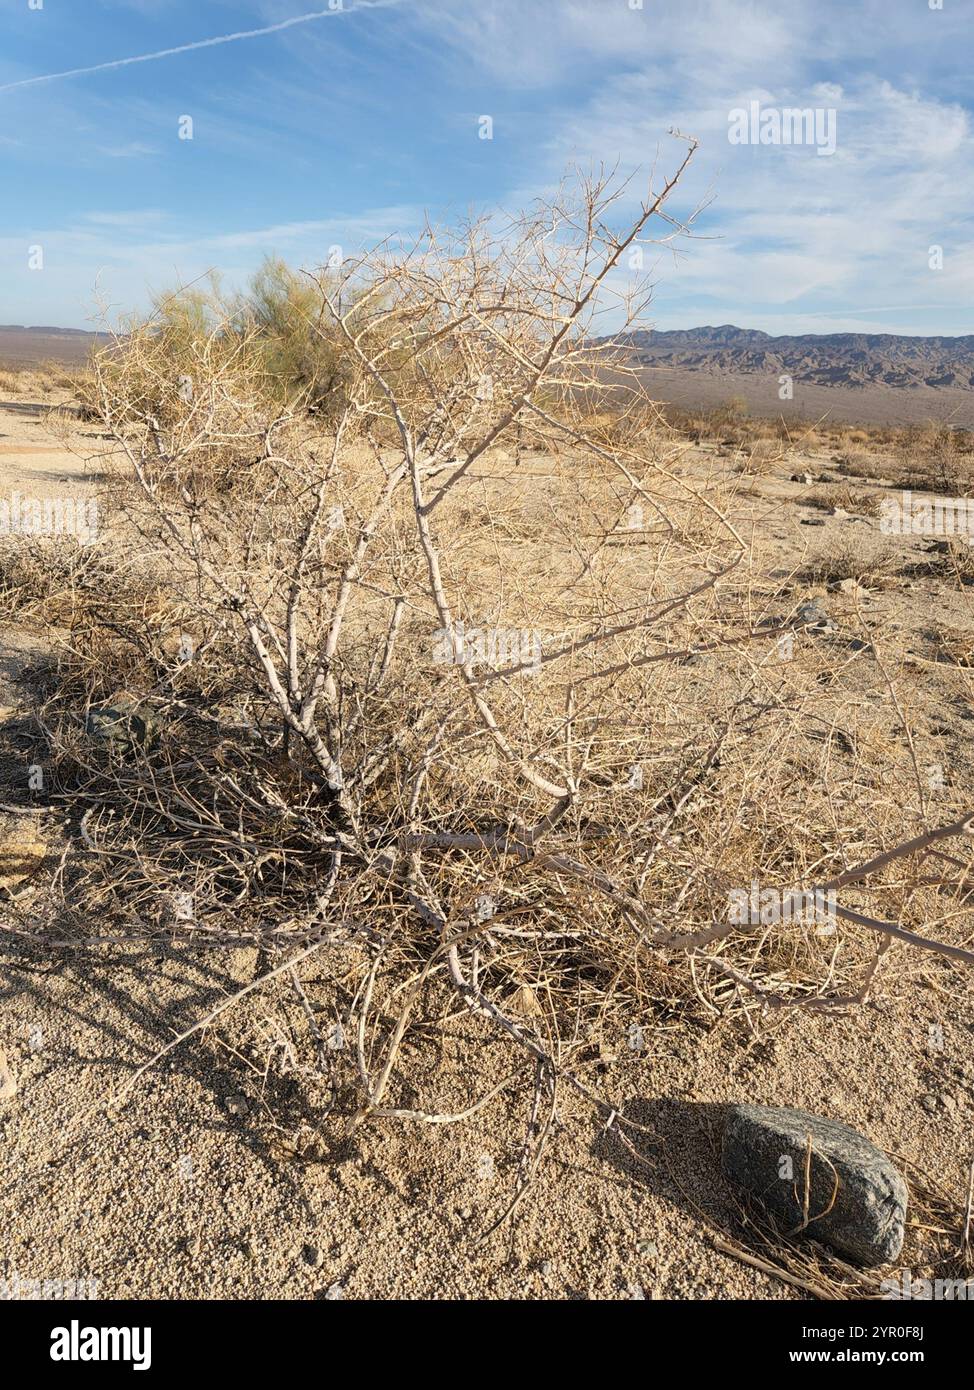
833	495
731	425
860	462
932	457
956	645
872	564
400	693
761	457
47	579
951	559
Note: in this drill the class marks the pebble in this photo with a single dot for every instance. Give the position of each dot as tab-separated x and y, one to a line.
8	1083
813	616
853	587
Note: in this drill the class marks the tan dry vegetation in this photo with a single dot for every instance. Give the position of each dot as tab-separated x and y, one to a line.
929	456
48	382
842	495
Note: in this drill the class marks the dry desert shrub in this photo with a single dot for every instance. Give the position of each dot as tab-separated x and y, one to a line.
955	645
861	462
869	561
761	457
487	703
931	457
951	559
854	501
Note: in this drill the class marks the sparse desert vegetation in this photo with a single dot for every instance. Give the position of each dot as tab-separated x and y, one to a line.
430	672
48	382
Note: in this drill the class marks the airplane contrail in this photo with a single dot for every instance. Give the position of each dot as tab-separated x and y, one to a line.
330	13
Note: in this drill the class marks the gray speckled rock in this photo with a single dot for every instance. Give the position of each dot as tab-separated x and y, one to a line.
765	1150
124	723
813	616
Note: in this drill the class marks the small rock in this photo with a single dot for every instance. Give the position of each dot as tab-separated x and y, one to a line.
546	1268
237	1105
647	1248
123	723
930	1104
525	1003
814	617
857	1202
334	1293
804	478
852	587
8	1082
312	1256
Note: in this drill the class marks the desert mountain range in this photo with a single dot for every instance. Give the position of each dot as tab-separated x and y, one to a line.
823	359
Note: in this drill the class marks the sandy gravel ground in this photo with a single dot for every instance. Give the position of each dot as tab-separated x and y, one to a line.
217	1179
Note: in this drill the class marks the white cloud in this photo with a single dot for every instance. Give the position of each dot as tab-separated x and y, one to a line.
135	219
85	269
530	42
133	149
795	229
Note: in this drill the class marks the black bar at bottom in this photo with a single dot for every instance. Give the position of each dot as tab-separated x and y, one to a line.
163	1339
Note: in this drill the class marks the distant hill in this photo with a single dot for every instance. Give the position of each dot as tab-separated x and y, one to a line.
821	359
25	347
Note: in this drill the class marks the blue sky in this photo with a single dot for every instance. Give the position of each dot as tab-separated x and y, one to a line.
350	127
